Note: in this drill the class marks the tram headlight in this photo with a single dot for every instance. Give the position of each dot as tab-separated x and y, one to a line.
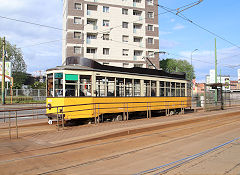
49	106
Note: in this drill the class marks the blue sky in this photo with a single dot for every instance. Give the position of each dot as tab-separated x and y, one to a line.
177	37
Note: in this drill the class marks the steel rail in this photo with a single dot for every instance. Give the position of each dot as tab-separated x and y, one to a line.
185	160
134	137
118	155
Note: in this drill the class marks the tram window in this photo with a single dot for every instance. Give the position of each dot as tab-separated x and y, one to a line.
153	88
162	88
128	88
50	85
110	85
146	89
58	84
85	85
137	88
183	89
168	90
71	87
119	87
100	86
178	89
173	89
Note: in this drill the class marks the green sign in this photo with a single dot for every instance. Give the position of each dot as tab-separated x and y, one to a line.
71	77
58	75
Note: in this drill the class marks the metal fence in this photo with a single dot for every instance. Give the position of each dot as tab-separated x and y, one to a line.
33	94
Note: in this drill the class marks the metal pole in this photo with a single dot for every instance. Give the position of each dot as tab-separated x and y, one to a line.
3	72
62	119
150	113
124	115
57	119
98	114
127	111
4	120
9	126
216	70
16	124
95	114
147	110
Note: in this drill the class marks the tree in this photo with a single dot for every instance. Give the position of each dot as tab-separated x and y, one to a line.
19	66
174	65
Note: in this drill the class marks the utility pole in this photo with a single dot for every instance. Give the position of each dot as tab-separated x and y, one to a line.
216	95
3	72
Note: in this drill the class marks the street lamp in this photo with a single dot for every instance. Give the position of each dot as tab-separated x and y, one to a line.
192	70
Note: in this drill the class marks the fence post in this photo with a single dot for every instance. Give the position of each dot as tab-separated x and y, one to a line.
127	112
95	113
32	112
38	92
147	110
124	114
98	114
150	113
16	124
9	126
57	119
4	120
16	92
62	119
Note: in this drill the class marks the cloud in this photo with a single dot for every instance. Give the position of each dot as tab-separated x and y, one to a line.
21	34
203	61
167	44
164	33
178	27
172	20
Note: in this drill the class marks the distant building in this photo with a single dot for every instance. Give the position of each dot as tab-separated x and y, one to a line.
112	32
235	85
225	79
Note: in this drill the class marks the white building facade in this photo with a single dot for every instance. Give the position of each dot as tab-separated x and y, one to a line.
117	33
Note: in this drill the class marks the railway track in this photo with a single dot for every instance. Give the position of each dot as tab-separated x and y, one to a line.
212	124
114	141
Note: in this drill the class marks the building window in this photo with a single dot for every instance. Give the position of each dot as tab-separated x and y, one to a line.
125	38
77	35
106	23
125	52
105	9
137	12
149	2
91	50
125	11
125	64
137	39
138	65
150	27
78	6
150	14
124	24
150	54
104	63
77	50
105	51
77	20
137	53
105	36
150	40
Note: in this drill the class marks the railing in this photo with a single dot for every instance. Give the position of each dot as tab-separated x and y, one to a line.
10	115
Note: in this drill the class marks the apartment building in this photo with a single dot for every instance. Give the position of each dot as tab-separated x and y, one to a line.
113	32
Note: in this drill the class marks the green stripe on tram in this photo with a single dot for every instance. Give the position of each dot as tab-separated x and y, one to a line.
71	77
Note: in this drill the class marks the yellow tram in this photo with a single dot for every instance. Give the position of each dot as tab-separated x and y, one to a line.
84	88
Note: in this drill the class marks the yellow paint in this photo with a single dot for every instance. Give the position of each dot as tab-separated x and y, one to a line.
84	106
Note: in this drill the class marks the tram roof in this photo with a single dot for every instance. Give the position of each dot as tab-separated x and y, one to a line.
78	63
